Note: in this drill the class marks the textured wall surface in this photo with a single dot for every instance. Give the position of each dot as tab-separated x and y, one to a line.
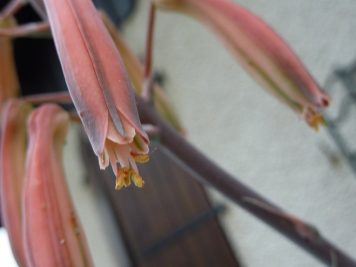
250	134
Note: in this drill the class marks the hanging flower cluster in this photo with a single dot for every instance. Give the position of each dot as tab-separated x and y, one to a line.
35	203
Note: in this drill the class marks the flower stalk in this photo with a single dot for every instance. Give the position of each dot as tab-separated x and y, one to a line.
207	172
30	29
136	73
147	85
11	8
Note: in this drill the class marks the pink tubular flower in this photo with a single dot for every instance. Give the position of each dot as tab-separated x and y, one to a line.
12	171
52	234
99	87
260	51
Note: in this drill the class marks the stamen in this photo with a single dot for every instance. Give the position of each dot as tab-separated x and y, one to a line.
137	179
314	119
140	158
122	175
125	176
127	179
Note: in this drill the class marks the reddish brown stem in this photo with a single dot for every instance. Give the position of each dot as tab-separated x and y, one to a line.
25	30
59	97
11	8
306	236
147	85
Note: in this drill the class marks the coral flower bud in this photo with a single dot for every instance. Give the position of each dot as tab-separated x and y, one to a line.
261	51
99	85
52	233
12	170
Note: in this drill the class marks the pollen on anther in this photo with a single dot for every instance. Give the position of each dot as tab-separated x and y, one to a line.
141	158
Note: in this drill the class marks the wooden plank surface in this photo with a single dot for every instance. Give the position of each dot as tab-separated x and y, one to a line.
170	222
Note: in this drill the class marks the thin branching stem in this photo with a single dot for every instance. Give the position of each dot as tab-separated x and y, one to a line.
305	235
27	30
11	8
147	85
58	97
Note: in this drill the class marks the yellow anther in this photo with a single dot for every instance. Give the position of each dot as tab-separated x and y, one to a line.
122	175
125	176
316	121
137	179
141	158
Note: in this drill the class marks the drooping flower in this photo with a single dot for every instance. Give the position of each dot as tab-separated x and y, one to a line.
99	86
12	171
52	234
261	51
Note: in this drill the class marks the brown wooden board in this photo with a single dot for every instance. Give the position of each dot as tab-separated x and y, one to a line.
170	222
